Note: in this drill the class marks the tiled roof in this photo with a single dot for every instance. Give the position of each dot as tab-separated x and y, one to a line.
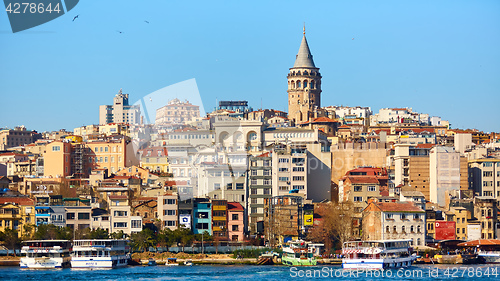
480	242
363	179
17	200
234	206
398	207
264	155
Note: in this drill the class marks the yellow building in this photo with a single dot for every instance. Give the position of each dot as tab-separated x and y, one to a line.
16	212
154	159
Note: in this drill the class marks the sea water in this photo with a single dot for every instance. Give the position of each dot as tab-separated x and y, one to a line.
255	273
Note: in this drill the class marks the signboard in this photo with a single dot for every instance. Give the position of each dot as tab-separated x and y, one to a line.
445	230
308	220
473	232
185	220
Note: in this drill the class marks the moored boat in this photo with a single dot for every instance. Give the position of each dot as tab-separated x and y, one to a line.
380	254
102	253
43	254
299	253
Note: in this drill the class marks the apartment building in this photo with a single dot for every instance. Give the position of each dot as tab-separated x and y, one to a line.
235	221
220	219
394	220
484	177
260	189
120	111
17	137
16	212
168	210
176	112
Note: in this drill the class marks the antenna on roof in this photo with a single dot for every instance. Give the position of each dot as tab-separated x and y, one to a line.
304	28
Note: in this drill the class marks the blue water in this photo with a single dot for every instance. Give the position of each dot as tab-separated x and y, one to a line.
255	273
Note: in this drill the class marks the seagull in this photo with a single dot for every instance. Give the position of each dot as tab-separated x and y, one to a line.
352	38
119	31
75	17
146	21
150	99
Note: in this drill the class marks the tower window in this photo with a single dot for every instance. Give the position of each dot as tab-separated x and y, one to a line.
298	84
312	84
305	84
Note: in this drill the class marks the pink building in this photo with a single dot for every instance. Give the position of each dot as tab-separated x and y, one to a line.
235	221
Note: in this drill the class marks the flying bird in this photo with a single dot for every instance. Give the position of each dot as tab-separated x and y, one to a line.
146	21
150	99
119	31
352	38
75	17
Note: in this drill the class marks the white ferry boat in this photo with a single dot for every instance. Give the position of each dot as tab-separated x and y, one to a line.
102	253
381	254
490	256
46	254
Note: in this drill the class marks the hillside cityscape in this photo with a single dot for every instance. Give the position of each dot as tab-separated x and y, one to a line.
244	176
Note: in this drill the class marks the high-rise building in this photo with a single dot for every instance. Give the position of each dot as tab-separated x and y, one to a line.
304	86
120	111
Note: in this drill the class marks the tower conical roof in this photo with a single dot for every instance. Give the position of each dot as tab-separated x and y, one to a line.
304	57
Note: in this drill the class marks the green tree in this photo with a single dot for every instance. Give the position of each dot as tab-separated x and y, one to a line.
11	239
118	235
143	240
165	238
99	234
50	231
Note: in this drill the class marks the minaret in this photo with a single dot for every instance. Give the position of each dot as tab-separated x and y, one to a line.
304	85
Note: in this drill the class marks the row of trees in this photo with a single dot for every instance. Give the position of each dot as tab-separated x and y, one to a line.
140	241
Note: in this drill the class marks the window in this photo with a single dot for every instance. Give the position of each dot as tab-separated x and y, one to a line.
284	169
229	186
298	169
267	182
283	178
136	224
169	212
388	216
120	213
403	216
239	186
372	188
412	229
418	228
202	225
298	178
283	160
358	188
417	216
234	217
487	164
235	228
403	229
120	224
387	229
169	201
358	199
254	172
487	173
83	216
394	230
56	148
70	216
298	187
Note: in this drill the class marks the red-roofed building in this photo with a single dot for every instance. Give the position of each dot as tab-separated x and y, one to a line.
394	220
359	185
235	221
15	212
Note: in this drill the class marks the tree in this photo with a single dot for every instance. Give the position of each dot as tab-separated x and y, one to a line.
99	234
165	238
50	231
118	235
335	225
143	240
11	240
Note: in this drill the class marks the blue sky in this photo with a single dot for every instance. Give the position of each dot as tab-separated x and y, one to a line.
438	57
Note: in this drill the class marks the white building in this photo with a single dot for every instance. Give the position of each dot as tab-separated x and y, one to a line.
120	111
444	173
398	115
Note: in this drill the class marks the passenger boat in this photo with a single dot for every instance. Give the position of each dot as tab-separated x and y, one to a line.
46	254
102	253
489	256
381	254
488	250
299	253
